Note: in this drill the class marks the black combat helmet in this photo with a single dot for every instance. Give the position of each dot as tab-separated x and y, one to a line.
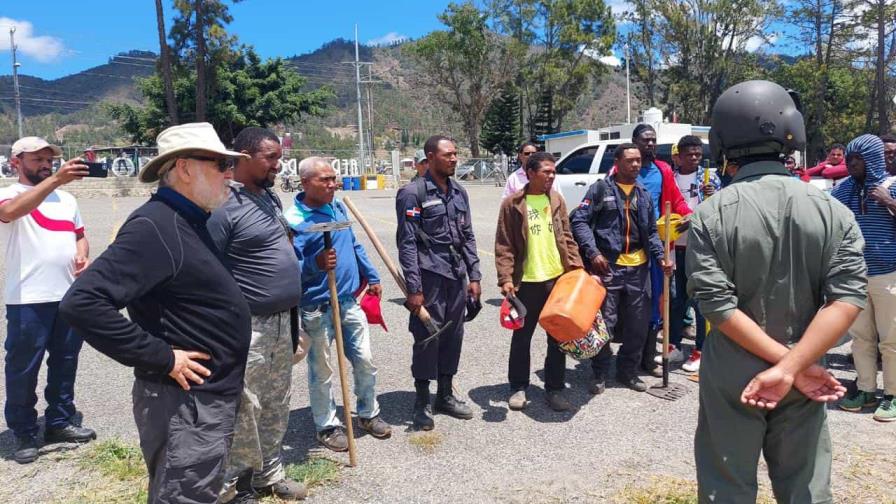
755	118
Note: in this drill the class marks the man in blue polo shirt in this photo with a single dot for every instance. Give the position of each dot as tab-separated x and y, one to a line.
312	206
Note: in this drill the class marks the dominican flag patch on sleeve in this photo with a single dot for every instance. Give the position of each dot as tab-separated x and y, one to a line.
413	212
585	203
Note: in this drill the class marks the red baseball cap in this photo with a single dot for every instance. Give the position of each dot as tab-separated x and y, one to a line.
371	306
513	313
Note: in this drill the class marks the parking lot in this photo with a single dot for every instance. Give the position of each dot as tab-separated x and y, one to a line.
590	454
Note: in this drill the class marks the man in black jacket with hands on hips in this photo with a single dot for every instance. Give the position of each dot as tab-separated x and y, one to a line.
189	328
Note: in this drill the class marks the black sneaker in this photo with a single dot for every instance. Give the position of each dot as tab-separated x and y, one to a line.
452	406
633	383
26	450
69	434
376	427
334	439
285	489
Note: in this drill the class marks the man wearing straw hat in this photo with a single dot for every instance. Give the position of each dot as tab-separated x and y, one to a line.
189	328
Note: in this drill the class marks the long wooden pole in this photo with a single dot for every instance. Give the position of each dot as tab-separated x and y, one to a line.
667	230
422	313
340	351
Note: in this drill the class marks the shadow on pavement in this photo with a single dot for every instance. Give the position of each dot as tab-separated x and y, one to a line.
396	408
486	398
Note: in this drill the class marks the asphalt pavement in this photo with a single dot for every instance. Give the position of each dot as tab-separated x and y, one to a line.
588	454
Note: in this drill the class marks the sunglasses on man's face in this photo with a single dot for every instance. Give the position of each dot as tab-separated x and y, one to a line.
222	164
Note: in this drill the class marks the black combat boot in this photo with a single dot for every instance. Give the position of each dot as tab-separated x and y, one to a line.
422	407
448	404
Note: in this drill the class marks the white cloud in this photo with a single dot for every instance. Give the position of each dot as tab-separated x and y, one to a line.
611	60
43	48
619	7
606	59
755	43
387	39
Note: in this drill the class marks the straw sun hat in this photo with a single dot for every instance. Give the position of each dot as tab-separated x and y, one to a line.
183	139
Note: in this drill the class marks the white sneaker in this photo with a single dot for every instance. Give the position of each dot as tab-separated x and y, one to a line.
675	355
693	363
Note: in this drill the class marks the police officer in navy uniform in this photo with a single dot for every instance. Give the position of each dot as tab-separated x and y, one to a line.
437	251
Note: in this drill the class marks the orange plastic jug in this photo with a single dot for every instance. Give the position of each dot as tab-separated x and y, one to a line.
570	309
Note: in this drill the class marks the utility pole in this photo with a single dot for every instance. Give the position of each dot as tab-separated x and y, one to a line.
628	89
15	78
360	114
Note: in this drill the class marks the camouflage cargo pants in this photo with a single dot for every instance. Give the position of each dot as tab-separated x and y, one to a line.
264	409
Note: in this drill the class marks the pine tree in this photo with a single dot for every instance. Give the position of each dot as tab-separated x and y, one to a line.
501	130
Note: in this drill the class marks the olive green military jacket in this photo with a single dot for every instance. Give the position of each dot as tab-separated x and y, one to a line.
776	248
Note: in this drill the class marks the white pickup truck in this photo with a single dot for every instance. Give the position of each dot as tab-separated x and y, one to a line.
587	163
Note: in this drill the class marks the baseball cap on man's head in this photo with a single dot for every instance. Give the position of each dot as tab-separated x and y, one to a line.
419	156
34	144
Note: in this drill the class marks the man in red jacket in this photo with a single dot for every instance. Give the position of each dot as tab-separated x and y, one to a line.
834	167
657	177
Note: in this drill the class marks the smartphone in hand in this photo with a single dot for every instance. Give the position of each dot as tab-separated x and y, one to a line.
98	170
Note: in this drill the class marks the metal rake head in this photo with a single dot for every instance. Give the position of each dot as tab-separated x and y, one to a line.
670	392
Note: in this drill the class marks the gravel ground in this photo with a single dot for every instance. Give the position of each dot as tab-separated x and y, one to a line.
607	442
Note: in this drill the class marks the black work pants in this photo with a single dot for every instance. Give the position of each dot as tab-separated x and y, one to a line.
626	312
185	437
534	295
445	300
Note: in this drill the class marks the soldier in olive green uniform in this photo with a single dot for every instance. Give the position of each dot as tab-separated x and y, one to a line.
777	268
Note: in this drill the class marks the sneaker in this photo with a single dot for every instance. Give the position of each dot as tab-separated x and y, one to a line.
675	355
597	385
284	489
69	434
655	371
334	439
689	332
633	383
376	427
557	401
517	400
857	401
26	450
886	412
693	363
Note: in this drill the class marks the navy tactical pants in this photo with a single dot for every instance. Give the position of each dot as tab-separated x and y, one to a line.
445	300
626	312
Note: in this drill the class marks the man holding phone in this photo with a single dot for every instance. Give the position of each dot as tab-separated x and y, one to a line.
45	250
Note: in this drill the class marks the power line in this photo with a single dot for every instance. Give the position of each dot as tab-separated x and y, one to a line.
48	100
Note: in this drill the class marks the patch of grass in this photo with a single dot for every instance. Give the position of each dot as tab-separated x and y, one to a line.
315	471
425	441
114	474
668	490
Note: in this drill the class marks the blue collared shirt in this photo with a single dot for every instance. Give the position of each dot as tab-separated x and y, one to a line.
352	262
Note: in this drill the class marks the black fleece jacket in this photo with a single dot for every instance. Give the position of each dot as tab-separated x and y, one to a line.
177	292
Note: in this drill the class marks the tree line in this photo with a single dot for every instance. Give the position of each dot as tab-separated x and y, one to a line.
514	69
205	74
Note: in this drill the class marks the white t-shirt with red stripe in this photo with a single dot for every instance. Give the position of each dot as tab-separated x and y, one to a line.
40	248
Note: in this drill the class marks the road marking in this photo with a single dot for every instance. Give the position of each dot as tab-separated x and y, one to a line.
393	223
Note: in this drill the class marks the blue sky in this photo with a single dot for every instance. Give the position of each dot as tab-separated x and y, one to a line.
61	37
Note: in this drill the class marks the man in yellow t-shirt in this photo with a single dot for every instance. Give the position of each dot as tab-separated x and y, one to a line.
615	227
534	246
